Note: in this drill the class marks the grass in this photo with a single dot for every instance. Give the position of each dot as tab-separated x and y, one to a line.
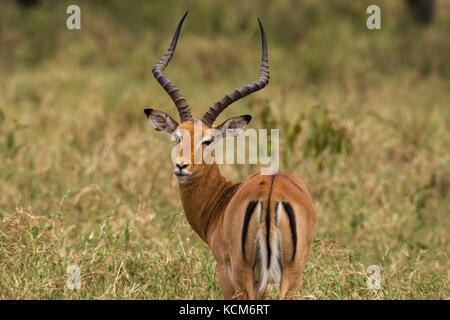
84	180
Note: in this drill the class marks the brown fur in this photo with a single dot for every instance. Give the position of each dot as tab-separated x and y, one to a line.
215	209
218	210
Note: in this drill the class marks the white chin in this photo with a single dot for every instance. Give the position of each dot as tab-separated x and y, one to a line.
182	179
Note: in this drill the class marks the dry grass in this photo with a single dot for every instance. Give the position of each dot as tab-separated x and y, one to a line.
84	180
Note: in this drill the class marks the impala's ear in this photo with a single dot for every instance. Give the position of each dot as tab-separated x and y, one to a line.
234	126
161	121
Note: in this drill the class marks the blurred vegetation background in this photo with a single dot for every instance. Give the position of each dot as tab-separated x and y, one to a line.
364	118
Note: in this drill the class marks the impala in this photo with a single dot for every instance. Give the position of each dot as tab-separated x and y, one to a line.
259	231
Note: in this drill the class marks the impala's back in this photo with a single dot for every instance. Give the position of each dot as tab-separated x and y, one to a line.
269	226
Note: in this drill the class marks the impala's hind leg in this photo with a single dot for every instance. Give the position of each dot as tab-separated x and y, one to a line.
263	294
243	284
225	282
290	285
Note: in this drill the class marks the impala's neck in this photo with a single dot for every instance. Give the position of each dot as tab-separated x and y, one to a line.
205	199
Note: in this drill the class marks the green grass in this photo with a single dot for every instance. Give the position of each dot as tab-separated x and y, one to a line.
84	179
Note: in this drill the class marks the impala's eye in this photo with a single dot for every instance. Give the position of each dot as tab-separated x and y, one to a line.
207	142
176	138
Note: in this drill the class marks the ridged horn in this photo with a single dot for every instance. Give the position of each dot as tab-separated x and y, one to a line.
214	111
174	92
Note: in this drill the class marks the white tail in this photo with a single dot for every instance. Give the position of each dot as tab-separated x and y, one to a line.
263	274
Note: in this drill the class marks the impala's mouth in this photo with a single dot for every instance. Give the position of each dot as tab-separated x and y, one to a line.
180	173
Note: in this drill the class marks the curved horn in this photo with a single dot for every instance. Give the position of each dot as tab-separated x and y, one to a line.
214	111
174	92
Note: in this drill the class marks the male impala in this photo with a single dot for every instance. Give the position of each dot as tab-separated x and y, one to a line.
260	231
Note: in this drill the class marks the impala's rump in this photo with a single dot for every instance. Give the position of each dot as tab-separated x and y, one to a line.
270	221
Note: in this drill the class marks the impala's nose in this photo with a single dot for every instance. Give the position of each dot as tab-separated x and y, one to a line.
182	166
180	170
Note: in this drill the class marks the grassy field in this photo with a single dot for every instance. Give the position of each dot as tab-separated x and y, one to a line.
84	179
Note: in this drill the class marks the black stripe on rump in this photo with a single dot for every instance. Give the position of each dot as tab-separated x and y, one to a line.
269	252
290	212
248	214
